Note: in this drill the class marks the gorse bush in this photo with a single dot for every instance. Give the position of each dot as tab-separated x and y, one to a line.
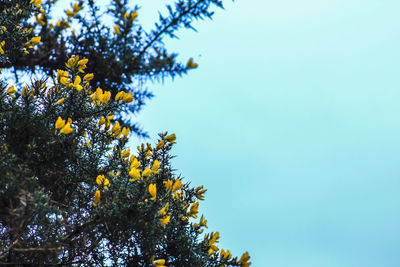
71	191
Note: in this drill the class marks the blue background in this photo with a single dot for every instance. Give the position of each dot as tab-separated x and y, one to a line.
292	123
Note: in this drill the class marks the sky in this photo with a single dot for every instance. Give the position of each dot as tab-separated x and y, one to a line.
291	121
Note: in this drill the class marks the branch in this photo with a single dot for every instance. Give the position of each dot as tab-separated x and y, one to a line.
166	27
35	249
8	249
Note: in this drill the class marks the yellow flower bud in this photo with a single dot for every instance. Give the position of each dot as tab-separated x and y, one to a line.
155	166
60	101
36	40
135	174
102	121
125	131
60	123
127	98
152	191
116	29
177	185
171	138
160	144
88	77
146	172
66	129
126	153
96	198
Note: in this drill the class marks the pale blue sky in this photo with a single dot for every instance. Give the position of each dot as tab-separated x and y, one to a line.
292	123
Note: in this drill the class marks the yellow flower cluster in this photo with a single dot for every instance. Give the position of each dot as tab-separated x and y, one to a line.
214	239
65	128
130	17
75	9
1	47
202	223
101	180
36	3
226	255
100	97
194	209
74	62
34	41
125	97
244	260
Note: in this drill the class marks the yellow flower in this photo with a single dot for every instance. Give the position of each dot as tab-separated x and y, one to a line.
153	191
77	7
155	166
102	120
177	185
134	162
102	180
36	40
96	198
116	29
105	97
116	129
159	263
212	241
146	172
163	211
77	83
60	101
164	220
37	3
69	13
82	64
203	222
191	64
194	209
226	255
1	47
171	138
127	98
244	260
88	77
66	129
126	153
60	123
200	192
160	144
40	19
24	89
120	96
64	80
168	185
134	15
126	15
125	131
135	174
11	91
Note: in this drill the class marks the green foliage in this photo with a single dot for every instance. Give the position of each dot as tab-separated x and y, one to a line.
122	61
71	191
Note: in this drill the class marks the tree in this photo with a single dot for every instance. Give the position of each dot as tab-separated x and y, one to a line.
71	191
